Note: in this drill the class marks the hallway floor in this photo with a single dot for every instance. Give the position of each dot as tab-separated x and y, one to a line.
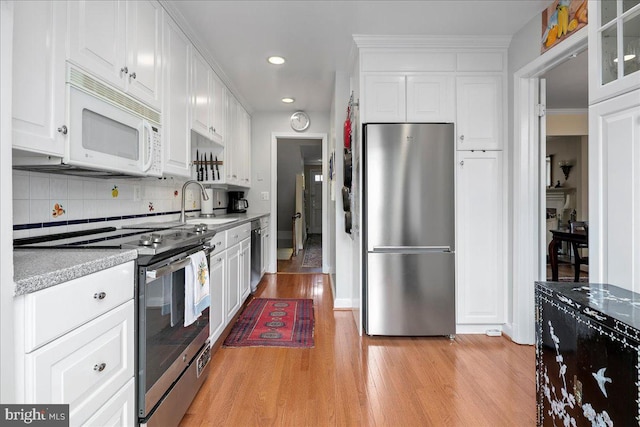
348	380
295	264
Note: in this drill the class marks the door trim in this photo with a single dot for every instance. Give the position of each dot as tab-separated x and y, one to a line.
526	209
273	265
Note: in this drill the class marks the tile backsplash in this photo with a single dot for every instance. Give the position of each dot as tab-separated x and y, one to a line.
49	203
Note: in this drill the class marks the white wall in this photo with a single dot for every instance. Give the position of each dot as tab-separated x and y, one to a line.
343	250
7	393
264	125
290	164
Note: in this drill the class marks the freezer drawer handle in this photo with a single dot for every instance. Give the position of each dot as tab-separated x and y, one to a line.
388	249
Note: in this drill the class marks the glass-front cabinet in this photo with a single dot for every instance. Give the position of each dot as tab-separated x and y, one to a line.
614	44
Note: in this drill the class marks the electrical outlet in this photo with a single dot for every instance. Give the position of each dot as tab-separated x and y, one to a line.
136	193
264	195
189	195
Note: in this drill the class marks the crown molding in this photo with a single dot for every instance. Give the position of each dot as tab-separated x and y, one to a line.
443	42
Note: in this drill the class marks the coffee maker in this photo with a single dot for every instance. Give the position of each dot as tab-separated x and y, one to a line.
237	202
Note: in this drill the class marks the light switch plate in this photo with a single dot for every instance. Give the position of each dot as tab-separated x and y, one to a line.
264	195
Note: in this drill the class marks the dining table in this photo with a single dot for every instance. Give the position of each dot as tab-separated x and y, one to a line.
578	237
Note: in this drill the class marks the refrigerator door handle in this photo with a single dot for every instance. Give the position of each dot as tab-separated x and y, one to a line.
410	249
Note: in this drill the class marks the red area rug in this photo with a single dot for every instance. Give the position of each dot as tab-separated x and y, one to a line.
274	322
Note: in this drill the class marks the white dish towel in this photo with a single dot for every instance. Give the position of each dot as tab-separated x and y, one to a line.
196	288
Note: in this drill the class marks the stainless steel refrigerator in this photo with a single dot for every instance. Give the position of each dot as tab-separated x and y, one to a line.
409	202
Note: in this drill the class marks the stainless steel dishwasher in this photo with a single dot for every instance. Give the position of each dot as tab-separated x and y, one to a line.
256	254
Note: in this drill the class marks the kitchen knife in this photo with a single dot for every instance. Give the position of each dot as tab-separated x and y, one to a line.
213	174
217	169
206	170
201	170
196	165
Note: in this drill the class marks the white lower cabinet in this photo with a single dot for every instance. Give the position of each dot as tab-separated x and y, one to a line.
91	367
217	283
479	234
265	242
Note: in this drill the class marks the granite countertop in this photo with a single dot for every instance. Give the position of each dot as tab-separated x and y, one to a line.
608	304
36	269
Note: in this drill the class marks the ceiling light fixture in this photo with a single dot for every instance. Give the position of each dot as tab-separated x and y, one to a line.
626	58
288	100
276	60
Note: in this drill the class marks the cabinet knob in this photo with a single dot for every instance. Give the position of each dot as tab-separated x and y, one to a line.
462	163
211	129
63	129
132	76
461	137
100	295
124	70
100	367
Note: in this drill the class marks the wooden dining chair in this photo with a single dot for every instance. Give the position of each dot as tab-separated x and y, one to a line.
579	227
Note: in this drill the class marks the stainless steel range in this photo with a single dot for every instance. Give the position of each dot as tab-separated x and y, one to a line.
172	359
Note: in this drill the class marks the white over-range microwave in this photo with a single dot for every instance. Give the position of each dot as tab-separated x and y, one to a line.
108	134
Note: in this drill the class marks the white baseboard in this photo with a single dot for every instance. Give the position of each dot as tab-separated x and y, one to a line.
342	303
477	329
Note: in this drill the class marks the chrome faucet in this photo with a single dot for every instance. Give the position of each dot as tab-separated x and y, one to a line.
205	196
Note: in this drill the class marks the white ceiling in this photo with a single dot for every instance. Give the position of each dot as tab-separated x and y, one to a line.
316	36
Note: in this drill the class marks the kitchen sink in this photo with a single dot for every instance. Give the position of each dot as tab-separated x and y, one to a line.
211	221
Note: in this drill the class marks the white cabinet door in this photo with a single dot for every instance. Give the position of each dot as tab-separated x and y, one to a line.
430	98
38	76
245	276
85	367
97	38
479	111
218	98
479	233
200	101
231	145
217	277
243	159
385	98
265	241
144	29
119	411
119	42
614	199
232	288
175	116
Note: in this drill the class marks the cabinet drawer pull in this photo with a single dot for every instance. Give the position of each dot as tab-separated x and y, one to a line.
100	295
101	367
63	129
132	76
124	70
461	137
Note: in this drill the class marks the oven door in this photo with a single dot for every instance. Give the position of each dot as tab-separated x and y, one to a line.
165	346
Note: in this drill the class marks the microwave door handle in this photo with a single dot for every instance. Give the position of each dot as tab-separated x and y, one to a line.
147	146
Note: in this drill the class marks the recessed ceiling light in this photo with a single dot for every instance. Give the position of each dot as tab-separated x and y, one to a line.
288	100
276	60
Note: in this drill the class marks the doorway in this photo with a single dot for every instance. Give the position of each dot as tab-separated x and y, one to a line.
564	149
528	206
300	203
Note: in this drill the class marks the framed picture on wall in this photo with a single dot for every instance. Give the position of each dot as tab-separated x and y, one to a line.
561	20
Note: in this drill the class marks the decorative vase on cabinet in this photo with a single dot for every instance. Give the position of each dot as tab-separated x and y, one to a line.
587	354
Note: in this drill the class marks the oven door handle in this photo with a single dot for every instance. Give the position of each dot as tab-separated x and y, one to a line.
167	269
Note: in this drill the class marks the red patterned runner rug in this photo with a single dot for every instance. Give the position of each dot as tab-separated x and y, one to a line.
274	322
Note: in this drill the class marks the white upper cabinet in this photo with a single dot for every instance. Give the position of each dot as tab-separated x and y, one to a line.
175	117
144	47
208	100
430	98
385	99
479	113
39	120
120	42
614	33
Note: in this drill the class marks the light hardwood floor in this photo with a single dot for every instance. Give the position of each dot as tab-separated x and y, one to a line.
348	380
